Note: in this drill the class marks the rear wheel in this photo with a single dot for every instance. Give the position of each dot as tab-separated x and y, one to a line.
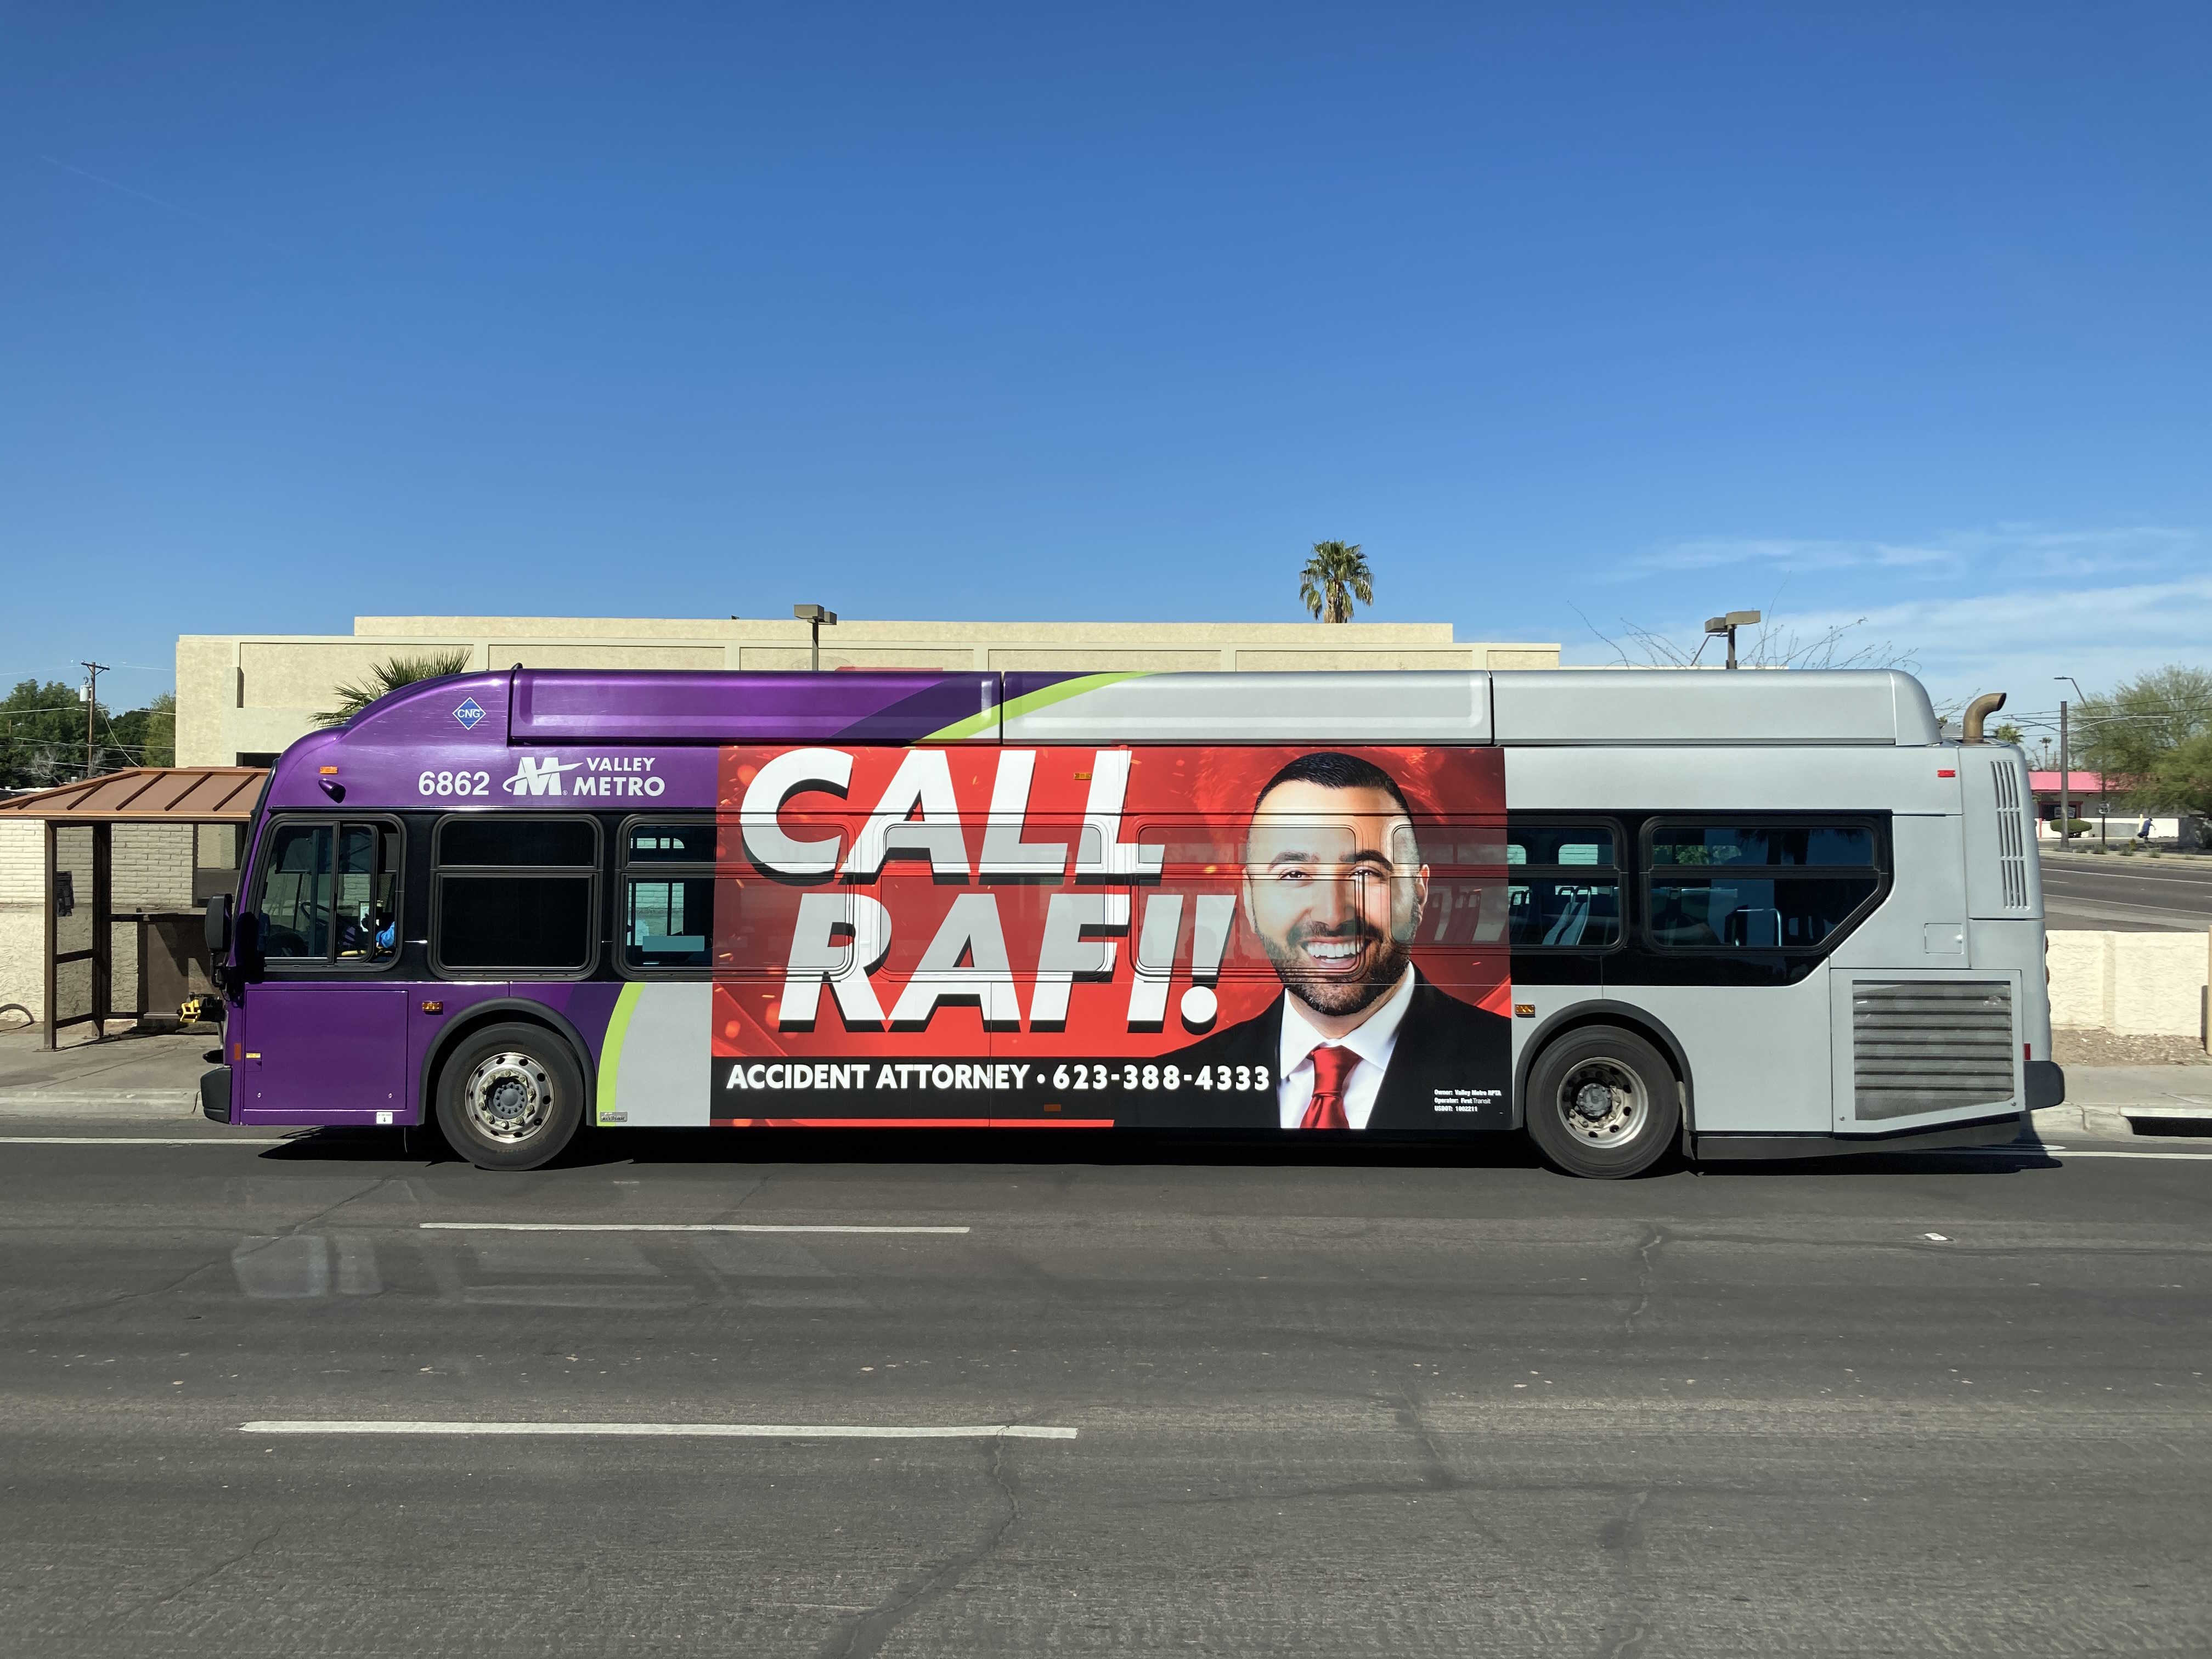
510	1097
1602	1103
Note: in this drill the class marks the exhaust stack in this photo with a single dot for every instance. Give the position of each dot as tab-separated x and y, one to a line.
1979	710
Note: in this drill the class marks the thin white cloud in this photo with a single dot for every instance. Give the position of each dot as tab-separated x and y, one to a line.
2046	551
1789	553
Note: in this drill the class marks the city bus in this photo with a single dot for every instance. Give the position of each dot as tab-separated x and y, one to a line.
1629	915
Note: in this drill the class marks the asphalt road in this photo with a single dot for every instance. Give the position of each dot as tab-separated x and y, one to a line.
1399	1405
2132	893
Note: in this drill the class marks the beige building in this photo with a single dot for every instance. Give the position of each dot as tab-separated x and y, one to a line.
242	698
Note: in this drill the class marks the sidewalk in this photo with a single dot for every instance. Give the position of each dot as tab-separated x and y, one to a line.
2116	1102
125	1076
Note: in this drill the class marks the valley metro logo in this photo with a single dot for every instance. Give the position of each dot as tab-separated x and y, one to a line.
534	776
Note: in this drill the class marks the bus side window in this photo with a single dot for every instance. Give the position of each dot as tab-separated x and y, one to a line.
668	893
367	910
1564	886
295	893
515	894
1749	886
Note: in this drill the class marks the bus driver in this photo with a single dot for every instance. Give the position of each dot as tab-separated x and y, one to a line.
1333	889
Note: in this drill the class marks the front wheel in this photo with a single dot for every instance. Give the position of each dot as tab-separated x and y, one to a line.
510	1097
1602	1103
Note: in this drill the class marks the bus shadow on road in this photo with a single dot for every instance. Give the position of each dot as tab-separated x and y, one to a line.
1129	1147
1132	1148
2019	1158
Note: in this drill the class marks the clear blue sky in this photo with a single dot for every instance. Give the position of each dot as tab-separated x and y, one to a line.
1641	312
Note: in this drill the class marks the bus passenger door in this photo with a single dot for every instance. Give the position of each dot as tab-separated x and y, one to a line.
323	1034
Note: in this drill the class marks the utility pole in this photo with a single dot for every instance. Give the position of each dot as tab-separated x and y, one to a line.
93	671
2066	760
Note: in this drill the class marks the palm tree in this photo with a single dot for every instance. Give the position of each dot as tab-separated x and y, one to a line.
1336	576
388	677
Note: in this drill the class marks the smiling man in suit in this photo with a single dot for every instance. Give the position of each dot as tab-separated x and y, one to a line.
1333	889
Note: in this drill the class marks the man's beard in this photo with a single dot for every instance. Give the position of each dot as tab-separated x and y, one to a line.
1332	994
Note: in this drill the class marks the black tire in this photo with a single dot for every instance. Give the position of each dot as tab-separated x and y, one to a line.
510	1097
1605	1140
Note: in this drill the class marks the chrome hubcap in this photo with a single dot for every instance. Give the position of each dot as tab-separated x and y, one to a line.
1603	1102
510	1096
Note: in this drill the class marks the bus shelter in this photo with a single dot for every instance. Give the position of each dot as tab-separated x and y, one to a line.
176	831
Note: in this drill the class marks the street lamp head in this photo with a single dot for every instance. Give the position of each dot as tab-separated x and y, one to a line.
815	614
1734	619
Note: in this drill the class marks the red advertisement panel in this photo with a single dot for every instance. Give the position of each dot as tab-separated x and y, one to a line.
1246	938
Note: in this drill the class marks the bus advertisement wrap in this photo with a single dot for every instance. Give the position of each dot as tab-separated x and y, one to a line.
1260	938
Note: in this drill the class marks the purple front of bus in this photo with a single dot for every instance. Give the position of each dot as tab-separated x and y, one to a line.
337	1040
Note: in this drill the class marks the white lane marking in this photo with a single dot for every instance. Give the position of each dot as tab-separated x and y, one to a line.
143	1140
2104	872
659	1227
680	1430
2062	1152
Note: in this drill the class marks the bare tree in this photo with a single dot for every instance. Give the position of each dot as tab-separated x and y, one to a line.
1776	643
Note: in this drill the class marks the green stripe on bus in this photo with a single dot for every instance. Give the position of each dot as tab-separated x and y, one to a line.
975	725
610	1050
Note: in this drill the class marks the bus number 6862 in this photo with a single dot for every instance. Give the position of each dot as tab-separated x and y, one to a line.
453	783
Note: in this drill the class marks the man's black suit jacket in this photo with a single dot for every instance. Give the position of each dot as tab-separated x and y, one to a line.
1450	1053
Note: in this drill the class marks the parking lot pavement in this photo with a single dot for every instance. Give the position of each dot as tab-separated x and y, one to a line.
1387	1403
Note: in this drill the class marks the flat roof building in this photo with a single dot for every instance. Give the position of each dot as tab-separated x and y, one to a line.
244	698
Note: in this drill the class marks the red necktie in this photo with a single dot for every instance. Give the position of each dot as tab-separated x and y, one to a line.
1331	1065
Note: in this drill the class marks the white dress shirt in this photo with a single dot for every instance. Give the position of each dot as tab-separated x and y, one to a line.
1374	1041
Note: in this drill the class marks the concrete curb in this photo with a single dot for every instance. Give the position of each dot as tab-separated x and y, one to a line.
157	1104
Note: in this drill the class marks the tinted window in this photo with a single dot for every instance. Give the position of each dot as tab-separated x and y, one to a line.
534	923
670	843
295	893
1465	911
331	892
1802	845
1565	914
1754	913
1567	844
512	842
367	913
668	923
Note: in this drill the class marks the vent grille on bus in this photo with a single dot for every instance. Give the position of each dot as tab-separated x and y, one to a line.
2012	849
1926	1045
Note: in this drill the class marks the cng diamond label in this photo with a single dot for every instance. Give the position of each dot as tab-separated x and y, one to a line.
468	714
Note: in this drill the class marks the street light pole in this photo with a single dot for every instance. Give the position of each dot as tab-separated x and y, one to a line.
817	619
1727	625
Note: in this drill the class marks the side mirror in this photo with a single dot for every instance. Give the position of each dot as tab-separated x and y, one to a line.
218	926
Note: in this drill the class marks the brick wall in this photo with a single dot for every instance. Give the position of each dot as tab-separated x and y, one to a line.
152	868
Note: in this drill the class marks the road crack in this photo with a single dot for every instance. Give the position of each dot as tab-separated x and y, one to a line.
866	1634
1655	1237
1622	1538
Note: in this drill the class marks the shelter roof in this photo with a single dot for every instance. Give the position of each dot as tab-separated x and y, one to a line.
145	794
2079	783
